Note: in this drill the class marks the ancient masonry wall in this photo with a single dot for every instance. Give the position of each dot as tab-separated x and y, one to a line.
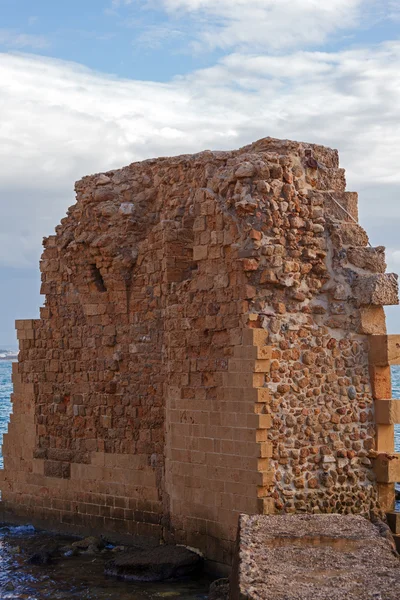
202	351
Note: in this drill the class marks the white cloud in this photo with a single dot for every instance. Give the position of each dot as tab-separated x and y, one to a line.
261	24
394	10
393	258
61	121
153	36
12	38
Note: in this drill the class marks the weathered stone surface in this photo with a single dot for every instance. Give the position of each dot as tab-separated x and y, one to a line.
372	320
41	558
304	557
349	234
346	204
381	290
219	590
85	543
200	353
384	350
387	468
393	519
387	412
155	564
370	259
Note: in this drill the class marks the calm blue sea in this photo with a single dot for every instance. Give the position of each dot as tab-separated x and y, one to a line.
5	401
396	394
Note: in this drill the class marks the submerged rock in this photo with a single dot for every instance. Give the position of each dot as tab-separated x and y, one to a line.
90	543
42	557
154	564
219	590
68	552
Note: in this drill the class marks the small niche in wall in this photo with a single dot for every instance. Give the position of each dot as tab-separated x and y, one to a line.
98	278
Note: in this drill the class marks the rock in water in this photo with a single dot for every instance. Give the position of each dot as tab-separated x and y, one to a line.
154	564
219	590
43	557
89	542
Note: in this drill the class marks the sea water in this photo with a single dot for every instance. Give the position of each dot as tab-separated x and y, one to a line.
396	394
5	399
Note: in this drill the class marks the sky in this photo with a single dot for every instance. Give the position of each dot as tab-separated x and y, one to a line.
96	84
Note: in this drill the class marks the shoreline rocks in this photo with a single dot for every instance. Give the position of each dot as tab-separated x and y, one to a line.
155	564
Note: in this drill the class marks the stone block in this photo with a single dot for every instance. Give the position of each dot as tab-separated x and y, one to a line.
249	366
387	470
347	200
378	290
58	469
384	438
386	495
243	380
370	259
387	412
380	382
349	234
255	337
290	557
26	324
372	320
253	352
200	252
264	421
397	542
393	519
384	350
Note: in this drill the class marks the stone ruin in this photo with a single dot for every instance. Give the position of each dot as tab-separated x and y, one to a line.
212	343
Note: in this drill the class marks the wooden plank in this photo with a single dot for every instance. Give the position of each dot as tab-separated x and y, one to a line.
386	470
387	412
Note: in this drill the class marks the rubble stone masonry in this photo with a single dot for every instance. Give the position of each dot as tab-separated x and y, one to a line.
202	351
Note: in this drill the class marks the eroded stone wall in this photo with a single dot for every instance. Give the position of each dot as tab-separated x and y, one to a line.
202	350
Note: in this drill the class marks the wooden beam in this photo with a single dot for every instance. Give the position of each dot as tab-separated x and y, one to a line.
386	470
387	412
384	350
